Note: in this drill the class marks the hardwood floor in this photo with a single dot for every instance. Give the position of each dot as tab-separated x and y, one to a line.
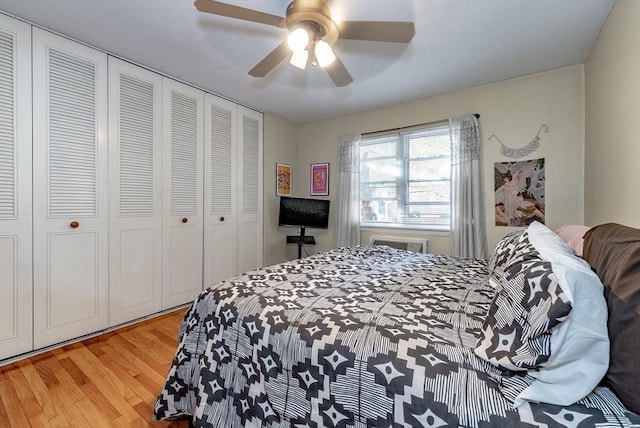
108	381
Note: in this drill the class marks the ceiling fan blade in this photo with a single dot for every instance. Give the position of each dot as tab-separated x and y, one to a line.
378	31
231	11
338	73
271	60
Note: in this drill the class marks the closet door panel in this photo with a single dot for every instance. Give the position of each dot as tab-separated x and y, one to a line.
135	215
16	335
185	267
220	190
69	298
70	189
8	290
136	275
250	135
182	190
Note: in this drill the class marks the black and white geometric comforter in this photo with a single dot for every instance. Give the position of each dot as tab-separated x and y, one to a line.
356	337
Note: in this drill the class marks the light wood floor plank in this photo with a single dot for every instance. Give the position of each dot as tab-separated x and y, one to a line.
67	406
111	380
28	400
106	384
11	402
40	420
107	409
3	412
144	354
40	390
118	368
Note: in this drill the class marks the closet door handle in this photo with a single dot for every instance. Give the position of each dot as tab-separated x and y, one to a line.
222	218
184	220
74	224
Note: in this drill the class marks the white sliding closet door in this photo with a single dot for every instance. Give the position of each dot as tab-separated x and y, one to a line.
250	141
70	189
182	193
220	185
16	331
135	214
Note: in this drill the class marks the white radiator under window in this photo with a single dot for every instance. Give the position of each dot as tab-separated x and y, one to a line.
402	242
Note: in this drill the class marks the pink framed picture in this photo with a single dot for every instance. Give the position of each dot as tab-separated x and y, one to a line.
319	179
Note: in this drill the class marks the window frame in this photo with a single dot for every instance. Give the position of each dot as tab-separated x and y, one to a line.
403	137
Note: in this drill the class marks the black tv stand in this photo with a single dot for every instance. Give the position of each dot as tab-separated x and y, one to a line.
295	239
301	240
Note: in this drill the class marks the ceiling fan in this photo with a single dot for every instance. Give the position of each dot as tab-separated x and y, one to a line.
312	33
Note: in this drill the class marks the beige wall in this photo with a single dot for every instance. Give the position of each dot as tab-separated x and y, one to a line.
513	110
280	145
612	109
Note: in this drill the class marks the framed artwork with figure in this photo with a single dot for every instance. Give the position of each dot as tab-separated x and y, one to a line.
319	179
519	192
283	179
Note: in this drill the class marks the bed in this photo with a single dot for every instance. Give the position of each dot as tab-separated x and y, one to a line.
381	337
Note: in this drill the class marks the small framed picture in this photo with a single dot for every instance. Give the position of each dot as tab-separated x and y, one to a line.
283	179
319	179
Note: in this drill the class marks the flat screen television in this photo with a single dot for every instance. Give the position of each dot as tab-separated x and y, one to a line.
304	212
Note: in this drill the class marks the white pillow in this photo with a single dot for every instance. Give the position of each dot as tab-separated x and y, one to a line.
580	344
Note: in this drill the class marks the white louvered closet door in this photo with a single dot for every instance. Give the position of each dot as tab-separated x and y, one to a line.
70	189
250	146
135	209
182	193
220	184
16	332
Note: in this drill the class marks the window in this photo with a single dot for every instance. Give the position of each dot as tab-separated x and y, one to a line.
405	178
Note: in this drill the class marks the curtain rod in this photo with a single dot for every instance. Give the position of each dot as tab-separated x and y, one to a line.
364	134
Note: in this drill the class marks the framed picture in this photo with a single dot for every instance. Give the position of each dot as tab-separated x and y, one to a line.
319	179
283	179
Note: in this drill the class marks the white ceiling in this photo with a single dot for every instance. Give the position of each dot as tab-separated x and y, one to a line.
458	44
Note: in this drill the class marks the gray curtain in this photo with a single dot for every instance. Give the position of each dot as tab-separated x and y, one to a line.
467	208
347	230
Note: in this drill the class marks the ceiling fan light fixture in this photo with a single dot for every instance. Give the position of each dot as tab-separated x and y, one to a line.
324	54
312	34
299	59
298	39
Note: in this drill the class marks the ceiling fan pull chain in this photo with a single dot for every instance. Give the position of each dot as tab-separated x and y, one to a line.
519	152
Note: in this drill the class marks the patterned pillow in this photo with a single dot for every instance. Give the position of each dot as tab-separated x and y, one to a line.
501	255
516	334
